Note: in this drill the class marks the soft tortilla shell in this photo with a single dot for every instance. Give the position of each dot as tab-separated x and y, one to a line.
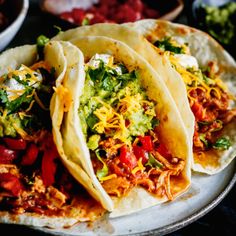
159	62
205	49
171	122
27	55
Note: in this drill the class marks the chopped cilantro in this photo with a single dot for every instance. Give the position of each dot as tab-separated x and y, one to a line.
202	137
155	122
3	96
166	45
153	162
222	143
20	81
14	105
104	171
91	121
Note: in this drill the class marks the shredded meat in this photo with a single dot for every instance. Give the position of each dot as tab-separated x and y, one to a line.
155	180
227	116
118	186
211	114
111	146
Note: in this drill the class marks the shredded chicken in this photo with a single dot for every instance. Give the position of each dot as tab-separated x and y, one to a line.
56	197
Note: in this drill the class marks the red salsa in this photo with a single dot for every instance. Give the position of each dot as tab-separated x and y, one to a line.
113	11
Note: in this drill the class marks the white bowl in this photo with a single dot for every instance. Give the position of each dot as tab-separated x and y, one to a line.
8	33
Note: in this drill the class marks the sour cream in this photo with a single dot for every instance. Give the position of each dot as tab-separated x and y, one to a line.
187	61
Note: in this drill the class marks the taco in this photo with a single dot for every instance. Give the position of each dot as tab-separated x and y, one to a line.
139	43
208	72
125	128
212	137
35	187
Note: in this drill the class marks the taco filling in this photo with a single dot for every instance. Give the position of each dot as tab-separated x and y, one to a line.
32	178
207	94
120	124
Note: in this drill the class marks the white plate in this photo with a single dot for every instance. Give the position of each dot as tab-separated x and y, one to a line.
204	194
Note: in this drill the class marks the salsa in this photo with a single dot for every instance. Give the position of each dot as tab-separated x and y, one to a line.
113	11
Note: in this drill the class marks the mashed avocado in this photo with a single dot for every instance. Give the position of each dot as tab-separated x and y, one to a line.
21	92
114	104
219	21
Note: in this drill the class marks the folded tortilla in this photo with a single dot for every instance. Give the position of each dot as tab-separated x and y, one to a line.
205	50
171	130
209	54
72	208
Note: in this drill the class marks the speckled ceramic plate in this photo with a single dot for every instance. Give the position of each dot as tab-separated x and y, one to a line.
205	193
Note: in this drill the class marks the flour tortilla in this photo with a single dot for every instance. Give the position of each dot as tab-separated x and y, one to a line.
170	123
54	54
140	44
205	49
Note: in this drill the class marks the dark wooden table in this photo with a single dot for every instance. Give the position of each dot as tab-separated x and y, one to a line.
219	221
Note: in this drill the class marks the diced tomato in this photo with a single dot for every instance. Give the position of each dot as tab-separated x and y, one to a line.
137	5
30	156
162	149
7	156
125	13
15	144
78	15
139	152
146	142
97	18
49	166
11	184
127	157
67	16
197	110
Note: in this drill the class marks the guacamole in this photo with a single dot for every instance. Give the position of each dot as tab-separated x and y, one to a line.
24	100
219	21
113	103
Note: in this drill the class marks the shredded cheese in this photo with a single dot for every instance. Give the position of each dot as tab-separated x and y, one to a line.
20	131
105	178
193	81
140	167
65	96
110	120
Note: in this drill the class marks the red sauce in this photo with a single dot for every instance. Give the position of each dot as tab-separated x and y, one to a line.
113	11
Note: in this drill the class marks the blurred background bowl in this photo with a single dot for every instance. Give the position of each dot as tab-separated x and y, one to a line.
12	15
218	18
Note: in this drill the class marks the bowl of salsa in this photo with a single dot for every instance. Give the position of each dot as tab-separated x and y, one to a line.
113	11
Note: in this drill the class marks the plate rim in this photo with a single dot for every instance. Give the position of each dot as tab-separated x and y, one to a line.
195	216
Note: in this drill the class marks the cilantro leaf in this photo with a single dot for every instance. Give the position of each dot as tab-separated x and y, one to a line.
155	122
24	99
3	96
109	83
91	121
166	45
17	78
153	162
202	137
222	143
129	76
97	74
104	171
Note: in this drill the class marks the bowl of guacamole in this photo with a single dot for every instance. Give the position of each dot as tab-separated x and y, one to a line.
218	18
